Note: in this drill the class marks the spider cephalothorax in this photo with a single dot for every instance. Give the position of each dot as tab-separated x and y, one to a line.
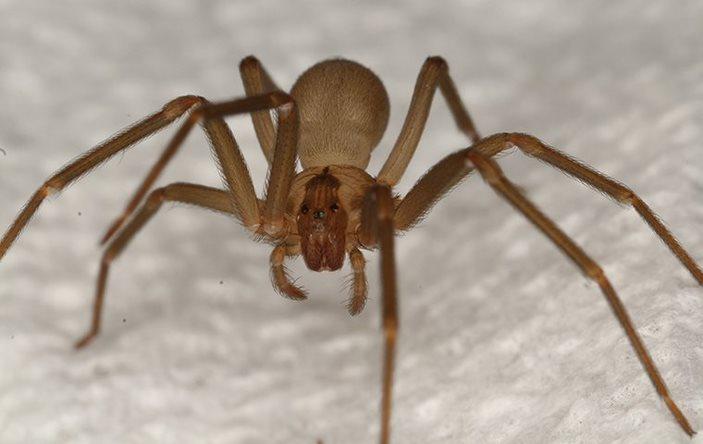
322	224
323	220
331	121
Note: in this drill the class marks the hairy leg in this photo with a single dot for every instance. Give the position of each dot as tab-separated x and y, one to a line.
202	196
493	175
377	229
439	180
97	155
256	82
230	157
431	187
452	169
535	148
434	74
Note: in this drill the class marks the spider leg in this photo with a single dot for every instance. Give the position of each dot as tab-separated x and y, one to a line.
166	156
439	180
125	139
452	169
257	81
199	195
229	155
434	74
431	187
493	175
535	148
377	229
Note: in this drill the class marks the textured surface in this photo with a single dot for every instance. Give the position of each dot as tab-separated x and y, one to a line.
502	339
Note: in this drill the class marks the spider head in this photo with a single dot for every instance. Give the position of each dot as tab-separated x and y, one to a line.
322	224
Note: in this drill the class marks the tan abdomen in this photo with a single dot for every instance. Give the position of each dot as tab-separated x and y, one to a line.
343	113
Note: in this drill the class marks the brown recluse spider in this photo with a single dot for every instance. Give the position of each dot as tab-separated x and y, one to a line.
331	120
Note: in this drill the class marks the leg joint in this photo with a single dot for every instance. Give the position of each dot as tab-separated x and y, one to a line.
629	197
248	63
277	257
595	272
51	187
175	108
357	260
438	62
529	144
284	102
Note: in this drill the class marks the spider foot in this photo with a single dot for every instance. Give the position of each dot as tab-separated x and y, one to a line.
85	340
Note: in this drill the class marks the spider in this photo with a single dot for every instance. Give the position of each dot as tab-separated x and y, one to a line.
332	119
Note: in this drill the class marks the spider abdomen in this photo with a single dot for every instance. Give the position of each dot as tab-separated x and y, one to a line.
343	110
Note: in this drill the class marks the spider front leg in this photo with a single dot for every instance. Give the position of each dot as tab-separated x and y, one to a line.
220	136
257	82
244	203
535	148
272	222
452	169
377	229
102	152
493	175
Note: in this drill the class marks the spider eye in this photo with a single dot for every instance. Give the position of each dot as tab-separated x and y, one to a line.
304	209
334	207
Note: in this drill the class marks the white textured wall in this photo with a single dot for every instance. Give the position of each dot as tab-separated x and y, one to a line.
502	339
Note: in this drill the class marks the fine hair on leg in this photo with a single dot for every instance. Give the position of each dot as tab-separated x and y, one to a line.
493	175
